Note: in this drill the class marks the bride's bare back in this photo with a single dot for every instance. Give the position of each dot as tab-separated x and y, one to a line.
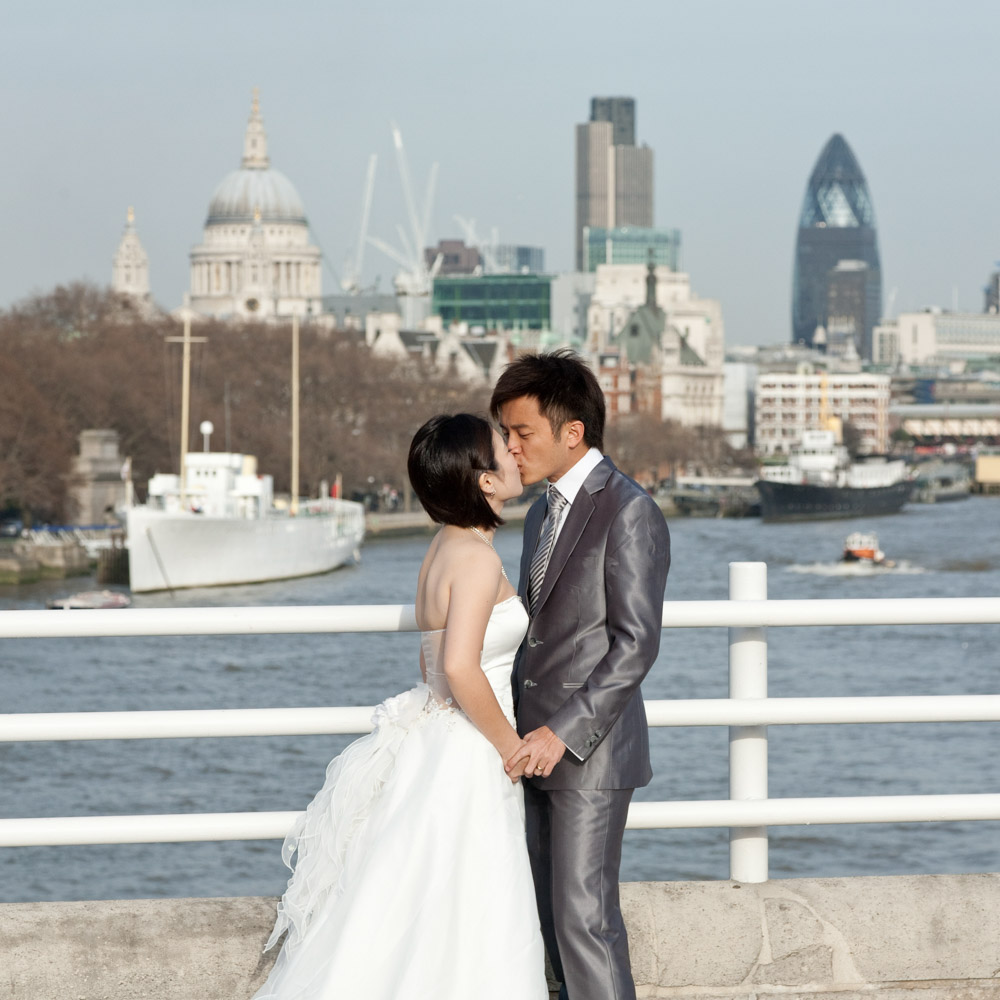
460	581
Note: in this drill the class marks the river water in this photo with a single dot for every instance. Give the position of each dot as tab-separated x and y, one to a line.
950	550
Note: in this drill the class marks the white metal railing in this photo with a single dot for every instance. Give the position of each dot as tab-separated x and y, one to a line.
747	712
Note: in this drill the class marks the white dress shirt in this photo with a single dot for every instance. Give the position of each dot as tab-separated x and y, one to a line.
570	483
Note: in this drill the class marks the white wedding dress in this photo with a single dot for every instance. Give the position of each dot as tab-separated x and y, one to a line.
412	879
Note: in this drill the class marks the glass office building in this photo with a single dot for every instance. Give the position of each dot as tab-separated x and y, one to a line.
495	301
837	223
631	245
620	111
511	259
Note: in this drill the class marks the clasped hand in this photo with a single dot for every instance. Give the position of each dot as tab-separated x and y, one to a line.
538	753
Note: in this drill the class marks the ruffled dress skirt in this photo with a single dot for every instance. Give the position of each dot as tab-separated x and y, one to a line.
411	878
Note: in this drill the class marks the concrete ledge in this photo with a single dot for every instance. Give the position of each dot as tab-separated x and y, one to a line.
939	934
936	934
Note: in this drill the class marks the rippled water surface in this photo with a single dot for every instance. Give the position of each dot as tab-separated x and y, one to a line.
951	550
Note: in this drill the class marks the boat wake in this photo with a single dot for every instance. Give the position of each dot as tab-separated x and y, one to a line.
902	568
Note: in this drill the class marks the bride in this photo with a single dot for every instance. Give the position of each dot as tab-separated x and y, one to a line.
411	880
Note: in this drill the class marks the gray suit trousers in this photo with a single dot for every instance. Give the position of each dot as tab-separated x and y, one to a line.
574	843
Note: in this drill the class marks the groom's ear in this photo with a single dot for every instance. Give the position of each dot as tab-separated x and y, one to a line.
574	431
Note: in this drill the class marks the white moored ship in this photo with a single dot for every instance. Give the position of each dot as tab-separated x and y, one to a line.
225	529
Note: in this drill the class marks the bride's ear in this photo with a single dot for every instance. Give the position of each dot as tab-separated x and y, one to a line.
486	485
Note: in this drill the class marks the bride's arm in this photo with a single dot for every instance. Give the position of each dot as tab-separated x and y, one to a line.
473	593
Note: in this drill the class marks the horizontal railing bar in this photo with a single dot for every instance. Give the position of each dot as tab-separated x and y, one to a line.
813	711
341	720
176	828
280	620
851	611
820	811
182	724
272	620
61	831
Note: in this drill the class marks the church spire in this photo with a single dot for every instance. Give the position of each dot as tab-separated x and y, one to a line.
255	141
651	281
130	265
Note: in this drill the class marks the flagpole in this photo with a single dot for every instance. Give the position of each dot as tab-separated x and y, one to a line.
187	340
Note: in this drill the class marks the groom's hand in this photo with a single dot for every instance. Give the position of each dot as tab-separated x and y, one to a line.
539	753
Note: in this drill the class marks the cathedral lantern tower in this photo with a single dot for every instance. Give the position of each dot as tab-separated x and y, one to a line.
130	265
255	258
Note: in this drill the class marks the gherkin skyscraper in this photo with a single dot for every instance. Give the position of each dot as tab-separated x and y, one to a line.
837	234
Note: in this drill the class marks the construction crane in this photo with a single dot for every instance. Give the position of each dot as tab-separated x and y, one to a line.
486	251
414	282
887	314
351	280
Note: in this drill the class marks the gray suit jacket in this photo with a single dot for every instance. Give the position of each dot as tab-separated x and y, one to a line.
595	632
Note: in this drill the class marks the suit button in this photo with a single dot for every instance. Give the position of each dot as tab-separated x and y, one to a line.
530	684
532	641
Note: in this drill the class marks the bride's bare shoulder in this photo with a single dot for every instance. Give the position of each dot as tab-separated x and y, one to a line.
457	562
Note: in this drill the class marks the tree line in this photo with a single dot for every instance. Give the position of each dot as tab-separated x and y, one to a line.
83	357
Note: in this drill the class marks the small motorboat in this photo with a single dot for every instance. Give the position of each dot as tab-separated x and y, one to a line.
862	547
90	600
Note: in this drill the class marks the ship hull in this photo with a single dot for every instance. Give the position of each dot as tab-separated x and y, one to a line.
810	502
176	550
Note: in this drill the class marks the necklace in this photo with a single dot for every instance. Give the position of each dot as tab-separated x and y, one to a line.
482	536
490	544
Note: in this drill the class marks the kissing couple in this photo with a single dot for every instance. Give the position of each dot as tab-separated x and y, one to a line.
480	824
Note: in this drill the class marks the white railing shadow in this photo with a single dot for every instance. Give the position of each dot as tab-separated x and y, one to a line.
748	812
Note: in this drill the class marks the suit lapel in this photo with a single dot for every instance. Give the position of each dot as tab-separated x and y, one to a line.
580	512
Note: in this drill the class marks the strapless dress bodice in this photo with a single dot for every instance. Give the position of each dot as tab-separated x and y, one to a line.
504	632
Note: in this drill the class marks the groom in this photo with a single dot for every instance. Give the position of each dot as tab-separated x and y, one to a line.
593	569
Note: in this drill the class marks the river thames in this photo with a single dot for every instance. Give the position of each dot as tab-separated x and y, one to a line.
950	550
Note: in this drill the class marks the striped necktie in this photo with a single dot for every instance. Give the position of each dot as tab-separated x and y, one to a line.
546	543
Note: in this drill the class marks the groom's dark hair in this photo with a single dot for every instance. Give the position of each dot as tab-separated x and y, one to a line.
447	456
564	386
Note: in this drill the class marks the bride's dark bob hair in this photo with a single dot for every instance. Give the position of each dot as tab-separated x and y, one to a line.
447	456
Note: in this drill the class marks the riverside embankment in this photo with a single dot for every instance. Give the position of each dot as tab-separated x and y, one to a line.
929	936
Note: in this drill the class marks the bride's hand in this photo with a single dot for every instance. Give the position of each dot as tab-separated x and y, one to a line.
516	762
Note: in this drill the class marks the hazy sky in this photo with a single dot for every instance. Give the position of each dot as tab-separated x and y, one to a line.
110	104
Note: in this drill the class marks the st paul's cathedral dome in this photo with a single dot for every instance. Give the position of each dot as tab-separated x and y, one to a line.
255	258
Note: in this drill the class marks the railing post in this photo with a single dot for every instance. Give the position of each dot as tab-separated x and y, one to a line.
748	744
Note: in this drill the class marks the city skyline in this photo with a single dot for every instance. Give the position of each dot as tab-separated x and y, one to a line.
150	111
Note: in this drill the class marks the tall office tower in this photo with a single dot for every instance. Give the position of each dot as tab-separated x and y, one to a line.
992	294
594	158
837	224
620	111
633	186
614	181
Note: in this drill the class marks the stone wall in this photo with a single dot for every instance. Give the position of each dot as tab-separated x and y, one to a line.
936	936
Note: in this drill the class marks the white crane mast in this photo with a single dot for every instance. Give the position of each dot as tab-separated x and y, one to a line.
487	251
351	281
414	282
